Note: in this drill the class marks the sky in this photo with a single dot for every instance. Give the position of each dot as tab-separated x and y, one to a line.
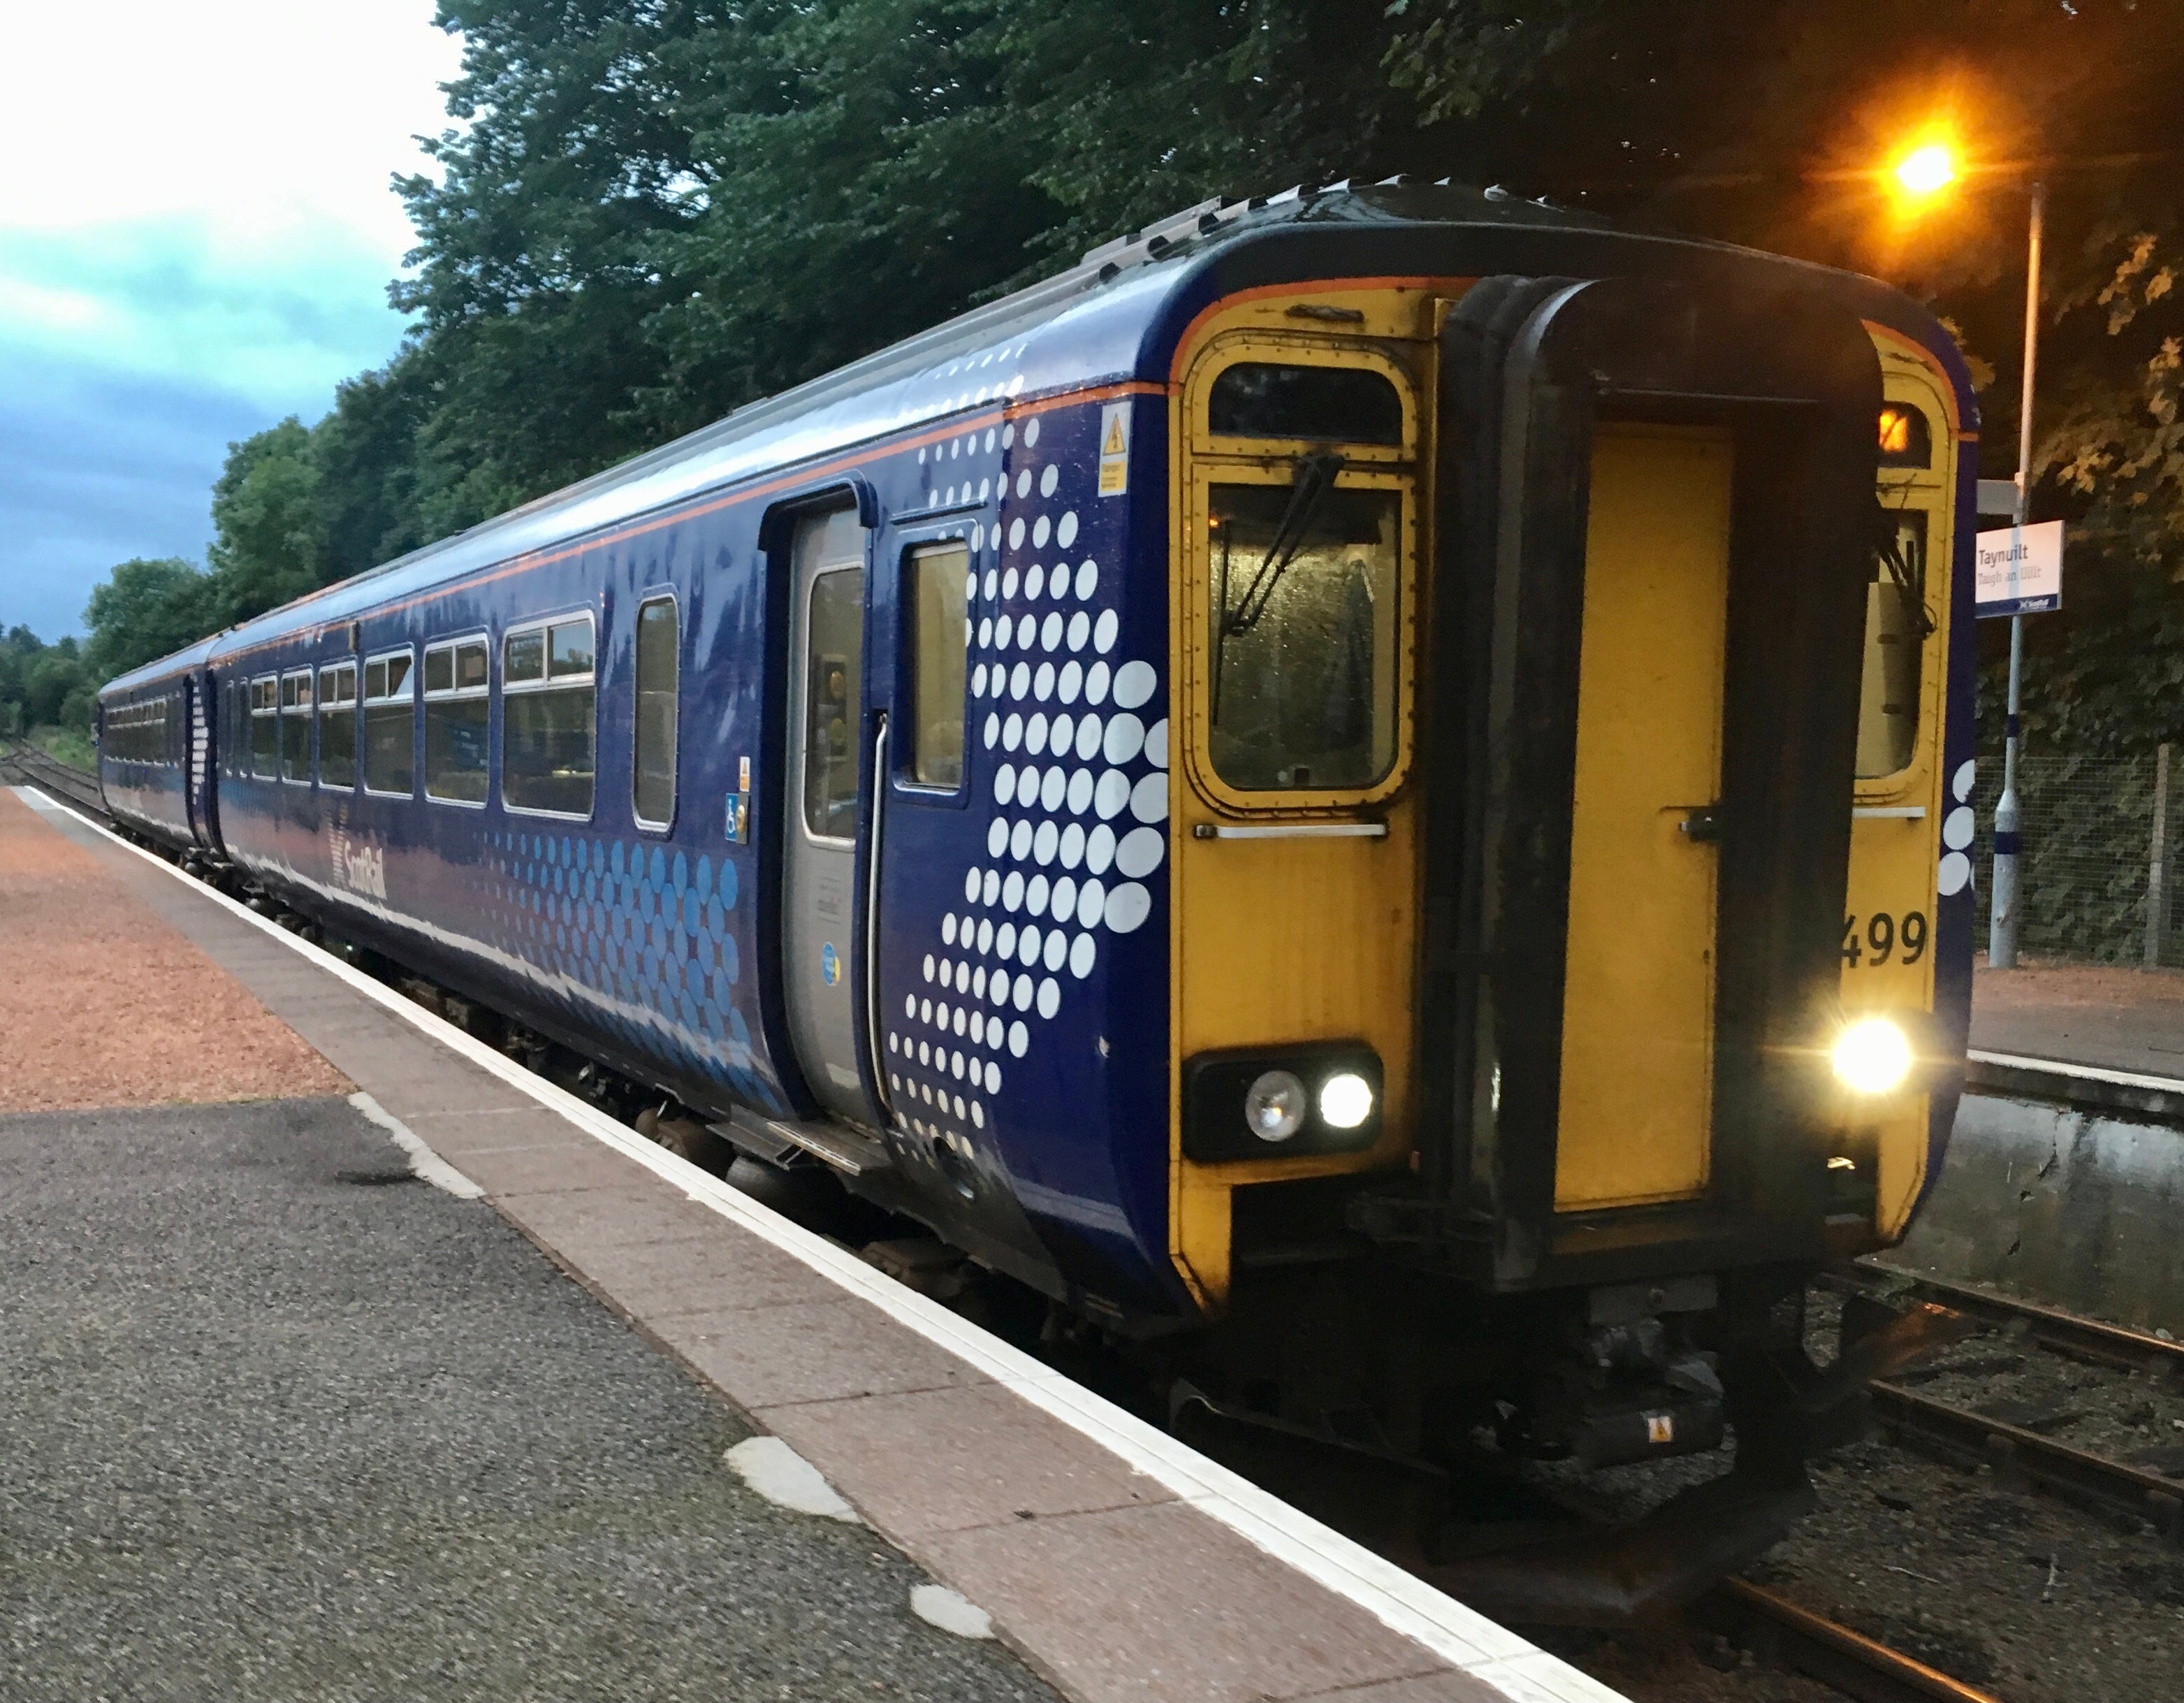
197	234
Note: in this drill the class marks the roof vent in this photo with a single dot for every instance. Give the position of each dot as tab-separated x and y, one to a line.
1153	241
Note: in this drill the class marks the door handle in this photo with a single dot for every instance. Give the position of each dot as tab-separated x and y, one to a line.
872	918
1702	824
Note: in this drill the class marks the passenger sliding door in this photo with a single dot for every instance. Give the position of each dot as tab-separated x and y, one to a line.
826	759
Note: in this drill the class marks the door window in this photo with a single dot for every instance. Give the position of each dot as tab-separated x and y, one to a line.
940	601
658	669
834	675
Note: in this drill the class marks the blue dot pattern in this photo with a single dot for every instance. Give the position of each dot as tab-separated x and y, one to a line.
630	937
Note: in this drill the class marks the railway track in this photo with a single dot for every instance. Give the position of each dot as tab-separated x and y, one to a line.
2017	1455
78	786
1787	1634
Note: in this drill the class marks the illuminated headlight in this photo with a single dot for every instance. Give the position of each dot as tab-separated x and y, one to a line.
1345	1100
1248	1105
1274	1106
1872	1056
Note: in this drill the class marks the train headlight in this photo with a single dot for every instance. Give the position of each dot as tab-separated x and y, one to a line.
1274	1106
1872	1056
1246	1105
1345	1100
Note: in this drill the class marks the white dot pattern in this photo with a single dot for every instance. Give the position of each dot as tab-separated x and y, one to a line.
1075	830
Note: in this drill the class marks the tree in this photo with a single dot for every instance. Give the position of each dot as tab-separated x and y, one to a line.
269	535
144	609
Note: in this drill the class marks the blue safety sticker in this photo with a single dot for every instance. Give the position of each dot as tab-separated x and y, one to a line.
830	963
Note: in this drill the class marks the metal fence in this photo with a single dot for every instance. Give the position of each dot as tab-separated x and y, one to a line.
2097	874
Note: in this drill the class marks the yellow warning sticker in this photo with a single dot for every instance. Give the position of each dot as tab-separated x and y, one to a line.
1660	1428
1114	448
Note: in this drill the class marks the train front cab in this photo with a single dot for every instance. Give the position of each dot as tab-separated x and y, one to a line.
1534	641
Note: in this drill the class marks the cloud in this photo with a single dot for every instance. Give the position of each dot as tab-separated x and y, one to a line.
197	241
95	469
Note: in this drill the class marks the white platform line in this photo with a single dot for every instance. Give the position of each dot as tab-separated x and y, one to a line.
1406	1605
424	1163
2091	1073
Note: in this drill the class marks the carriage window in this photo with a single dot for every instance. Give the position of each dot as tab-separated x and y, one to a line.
549	712
833	669
1305	636
457	721
265	728
390	724
338	725
940	604
1896	626
296	726
1344	405
658	671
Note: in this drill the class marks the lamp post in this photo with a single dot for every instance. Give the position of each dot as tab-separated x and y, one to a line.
2002	905
1921	174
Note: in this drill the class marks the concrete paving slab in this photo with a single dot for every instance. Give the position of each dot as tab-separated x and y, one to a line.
768	1357
948	1459
1265	1633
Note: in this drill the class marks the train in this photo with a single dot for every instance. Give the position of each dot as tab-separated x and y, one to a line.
1368	791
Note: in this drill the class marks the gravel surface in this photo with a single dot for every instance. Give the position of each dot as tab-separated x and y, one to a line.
104	1004
278	1421
2024	1595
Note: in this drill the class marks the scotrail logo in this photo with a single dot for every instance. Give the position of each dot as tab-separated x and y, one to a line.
361	867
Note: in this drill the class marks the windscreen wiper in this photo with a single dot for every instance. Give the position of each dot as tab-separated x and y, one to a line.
1315	477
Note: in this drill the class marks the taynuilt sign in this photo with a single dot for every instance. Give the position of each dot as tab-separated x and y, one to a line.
2019	569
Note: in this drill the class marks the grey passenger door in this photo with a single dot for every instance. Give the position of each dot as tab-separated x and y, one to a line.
825	724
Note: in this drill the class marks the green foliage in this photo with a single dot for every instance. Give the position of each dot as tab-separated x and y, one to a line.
145	609
268	535
70	742
40	683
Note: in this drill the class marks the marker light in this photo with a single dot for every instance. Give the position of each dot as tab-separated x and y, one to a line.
1345	1100
1872	1057
1274	1106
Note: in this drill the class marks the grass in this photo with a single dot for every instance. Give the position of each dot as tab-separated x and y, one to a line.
67	744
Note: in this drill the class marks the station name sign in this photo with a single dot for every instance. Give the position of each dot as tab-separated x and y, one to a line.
2018	570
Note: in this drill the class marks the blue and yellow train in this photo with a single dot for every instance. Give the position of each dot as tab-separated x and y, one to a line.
1369	787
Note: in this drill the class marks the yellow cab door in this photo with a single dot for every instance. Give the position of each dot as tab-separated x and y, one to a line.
1297	604
1637	1109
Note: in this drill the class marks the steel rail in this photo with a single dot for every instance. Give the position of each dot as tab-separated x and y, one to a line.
2015	1452
79	785
2052	1327
1791	1635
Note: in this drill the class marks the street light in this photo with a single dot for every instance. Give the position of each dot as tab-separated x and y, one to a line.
1919	174
1926	170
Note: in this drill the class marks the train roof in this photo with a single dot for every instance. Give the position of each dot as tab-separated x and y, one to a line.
1101	321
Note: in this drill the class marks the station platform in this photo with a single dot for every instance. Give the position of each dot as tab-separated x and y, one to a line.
348	1358
2098	1035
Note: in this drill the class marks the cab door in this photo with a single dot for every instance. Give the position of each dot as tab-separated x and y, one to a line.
826	762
